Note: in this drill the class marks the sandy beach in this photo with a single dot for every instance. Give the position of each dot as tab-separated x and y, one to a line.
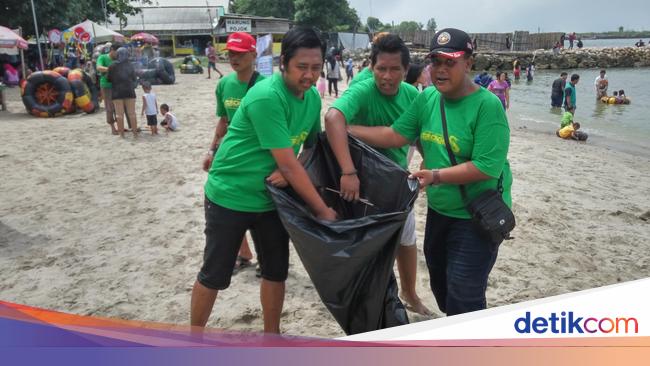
94	225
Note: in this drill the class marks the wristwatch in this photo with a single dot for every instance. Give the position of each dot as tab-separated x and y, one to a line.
436	177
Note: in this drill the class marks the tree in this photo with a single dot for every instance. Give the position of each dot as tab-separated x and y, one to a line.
50	14
620	29
409	27
263	8
60	14
325	15
431	25
373	24
123	8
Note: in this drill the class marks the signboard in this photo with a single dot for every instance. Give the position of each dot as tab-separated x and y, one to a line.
54	36
238	25
84	37
265	55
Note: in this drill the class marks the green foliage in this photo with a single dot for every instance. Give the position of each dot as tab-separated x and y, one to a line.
432	25
409	27
263	8
326	15
60	14
122	9
620	29
49	14
373	24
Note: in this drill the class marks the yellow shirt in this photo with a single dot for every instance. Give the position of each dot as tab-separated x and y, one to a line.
566	132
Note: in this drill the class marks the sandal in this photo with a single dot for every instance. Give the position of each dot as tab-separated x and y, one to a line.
241	263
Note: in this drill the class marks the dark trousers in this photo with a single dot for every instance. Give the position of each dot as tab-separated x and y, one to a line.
334	82
556	101
459	262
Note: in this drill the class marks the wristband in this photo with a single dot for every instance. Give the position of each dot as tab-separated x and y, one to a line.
436	177
354	172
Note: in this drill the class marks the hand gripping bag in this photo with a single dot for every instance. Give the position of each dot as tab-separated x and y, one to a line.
350	261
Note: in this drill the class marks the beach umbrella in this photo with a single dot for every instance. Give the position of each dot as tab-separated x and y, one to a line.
145	37
9	39
89	31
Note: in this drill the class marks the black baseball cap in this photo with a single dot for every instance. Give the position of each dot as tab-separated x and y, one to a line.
451	43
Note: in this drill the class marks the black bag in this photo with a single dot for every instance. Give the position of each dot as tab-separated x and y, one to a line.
350	261
491	216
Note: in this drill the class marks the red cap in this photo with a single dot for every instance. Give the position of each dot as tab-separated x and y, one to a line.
241	42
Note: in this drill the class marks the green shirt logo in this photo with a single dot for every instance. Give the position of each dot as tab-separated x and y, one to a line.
427	136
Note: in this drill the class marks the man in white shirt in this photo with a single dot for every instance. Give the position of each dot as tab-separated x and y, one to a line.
601	84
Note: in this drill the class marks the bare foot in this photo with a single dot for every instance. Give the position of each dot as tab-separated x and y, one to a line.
414	304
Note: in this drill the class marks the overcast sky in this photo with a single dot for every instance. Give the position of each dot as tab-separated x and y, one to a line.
507	15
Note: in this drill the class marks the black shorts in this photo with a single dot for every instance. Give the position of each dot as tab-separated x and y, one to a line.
224	231
152	120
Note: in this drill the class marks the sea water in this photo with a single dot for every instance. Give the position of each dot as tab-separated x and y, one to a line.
625	127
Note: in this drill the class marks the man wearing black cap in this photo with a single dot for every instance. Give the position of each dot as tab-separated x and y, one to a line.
459	258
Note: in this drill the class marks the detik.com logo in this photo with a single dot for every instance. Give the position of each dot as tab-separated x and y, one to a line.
568	323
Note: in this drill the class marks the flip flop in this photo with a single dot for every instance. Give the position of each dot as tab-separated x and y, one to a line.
241	263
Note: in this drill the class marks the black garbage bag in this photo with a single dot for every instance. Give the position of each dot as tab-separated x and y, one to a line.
350	261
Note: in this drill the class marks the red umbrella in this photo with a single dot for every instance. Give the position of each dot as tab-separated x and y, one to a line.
9	39
145	37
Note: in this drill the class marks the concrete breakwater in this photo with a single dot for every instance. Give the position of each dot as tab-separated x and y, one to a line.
585	58
566	59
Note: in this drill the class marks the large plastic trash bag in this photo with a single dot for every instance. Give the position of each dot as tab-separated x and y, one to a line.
350	261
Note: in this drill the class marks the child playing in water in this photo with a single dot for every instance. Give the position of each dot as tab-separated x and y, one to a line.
571	132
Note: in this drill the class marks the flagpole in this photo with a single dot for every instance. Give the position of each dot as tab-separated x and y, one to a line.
38	41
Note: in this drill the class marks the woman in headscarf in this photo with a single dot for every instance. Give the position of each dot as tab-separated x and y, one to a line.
121	74
333	75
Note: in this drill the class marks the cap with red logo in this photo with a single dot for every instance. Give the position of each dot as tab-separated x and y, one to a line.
451	43
241	42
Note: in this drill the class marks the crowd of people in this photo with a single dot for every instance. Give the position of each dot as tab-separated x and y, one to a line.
118	81
278	116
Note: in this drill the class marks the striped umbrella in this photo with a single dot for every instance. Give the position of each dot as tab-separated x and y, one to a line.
145	37
9	39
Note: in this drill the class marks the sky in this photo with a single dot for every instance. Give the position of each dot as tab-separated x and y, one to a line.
484	16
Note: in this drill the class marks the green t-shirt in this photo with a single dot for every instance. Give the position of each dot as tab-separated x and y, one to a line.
365	105
478	131
106	61
567	119
570	90
230	91
364	74
270	117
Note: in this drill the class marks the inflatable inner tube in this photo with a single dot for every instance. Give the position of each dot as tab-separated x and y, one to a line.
82	87
191	69
150	75
165	70
62	70
48	94
615	100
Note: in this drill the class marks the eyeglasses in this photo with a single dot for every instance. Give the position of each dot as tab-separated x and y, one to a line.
439	61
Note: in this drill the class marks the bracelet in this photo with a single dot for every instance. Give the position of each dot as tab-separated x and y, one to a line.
436	177
354	172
